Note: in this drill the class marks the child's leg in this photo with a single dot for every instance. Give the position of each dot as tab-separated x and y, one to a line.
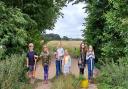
30	74
47	67
57	68
59	65
89	69
44	72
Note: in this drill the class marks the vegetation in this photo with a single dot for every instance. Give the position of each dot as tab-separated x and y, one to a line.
106	28
20	19
12	73
113	75
21	22
64	82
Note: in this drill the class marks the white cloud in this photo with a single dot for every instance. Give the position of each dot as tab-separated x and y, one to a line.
71	24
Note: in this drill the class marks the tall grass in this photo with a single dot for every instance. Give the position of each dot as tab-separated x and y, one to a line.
114	75
64	82
12	73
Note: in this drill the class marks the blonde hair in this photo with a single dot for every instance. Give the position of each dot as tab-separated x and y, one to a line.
30	44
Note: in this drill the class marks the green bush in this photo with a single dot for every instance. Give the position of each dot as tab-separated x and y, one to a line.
12	73
114	75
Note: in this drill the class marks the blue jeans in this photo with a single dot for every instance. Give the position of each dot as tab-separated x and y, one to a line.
46	72
58	67
90	63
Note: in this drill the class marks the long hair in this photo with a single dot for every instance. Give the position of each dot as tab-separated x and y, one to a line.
83	49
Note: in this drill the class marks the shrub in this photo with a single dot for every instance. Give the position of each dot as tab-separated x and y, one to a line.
114	75
12	73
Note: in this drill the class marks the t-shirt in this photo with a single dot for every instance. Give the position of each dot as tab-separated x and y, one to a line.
45	56
67	60
30	56
60	52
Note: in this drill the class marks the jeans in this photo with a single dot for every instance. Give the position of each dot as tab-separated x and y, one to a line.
90	63
46	72
58	67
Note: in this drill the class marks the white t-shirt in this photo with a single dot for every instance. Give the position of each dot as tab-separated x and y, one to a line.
60	52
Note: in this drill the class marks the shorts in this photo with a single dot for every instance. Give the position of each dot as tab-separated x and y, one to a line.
31	68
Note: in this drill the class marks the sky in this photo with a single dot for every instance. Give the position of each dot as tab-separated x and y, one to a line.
71	24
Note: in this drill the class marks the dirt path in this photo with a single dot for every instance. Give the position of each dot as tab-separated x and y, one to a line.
74	71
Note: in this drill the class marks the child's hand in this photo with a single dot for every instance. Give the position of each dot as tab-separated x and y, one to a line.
27	65
35	56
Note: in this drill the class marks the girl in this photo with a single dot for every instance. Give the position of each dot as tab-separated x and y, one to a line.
67	63
90	56
45	56
82	60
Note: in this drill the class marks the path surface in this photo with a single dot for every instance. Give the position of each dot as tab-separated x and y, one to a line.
74	71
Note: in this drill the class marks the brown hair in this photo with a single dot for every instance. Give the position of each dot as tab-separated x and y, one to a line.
85	47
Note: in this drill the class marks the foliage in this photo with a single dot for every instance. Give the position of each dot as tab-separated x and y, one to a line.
13	25
43	12
114	75
106	27
26	19
64	82
12	73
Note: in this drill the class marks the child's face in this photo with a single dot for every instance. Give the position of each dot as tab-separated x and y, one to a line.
31	47
90	48
45	49
82	46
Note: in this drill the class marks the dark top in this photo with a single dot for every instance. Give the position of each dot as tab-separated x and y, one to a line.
81	65
30	56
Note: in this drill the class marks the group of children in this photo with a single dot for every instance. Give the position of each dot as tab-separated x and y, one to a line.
62	60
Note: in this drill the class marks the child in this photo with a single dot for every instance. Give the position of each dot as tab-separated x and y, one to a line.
67	63
31	60
90	56
60	54
82	60
45	56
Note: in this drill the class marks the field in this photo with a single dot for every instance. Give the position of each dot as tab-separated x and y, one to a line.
71	46
65	44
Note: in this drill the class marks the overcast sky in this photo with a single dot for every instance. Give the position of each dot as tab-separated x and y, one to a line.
71	24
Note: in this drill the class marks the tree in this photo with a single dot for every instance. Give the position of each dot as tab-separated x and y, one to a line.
106	27
65	38
13	25
40	15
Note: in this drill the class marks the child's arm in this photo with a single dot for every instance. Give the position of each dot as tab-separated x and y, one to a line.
27	62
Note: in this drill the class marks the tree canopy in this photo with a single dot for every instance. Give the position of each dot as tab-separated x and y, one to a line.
23	21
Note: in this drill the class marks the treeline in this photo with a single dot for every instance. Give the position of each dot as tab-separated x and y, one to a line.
53	36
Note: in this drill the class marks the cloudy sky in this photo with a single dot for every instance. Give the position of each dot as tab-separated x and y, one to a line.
71	24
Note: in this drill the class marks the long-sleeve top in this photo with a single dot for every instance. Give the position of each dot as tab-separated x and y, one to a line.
90	55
